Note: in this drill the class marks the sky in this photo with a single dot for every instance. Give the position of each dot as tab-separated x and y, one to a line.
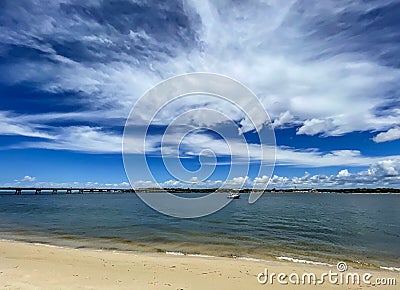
327	73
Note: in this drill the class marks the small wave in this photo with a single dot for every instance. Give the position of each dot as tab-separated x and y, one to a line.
189	255
46	245
211	256
175	253
250	259
294	260
200	255
390	268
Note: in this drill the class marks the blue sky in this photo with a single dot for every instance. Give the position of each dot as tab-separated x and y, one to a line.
328	74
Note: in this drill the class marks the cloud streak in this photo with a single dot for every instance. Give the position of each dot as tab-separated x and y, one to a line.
327	69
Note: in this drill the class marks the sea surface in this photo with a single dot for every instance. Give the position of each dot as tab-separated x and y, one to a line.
329	227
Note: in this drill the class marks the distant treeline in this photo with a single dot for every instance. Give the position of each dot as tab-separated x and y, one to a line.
362	190
274	190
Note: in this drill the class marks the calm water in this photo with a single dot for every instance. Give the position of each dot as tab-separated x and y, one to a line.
317	227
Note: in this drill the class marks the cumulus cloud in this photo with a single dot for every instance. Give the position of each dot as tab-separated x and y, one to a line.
285	119
343	173
384	173
316	126
390	135
25	181
385	168
28	178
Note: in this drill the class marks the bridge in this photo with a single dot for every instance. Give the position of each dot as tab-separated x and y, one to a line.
67	190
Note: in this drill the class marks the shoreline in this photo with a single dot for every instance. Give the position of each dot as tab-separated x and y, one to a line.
31	266
270	259
154	251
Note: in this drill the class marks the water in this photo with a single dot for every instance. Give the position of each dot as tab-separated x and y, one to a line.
326	228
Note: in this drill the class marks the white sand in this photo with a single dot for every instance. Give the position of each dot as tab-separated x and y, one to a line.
29	266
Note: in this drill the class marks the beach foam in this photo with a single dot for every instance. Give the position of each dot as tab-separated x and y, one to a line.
175	253
250	259
294	260
200	255
390	268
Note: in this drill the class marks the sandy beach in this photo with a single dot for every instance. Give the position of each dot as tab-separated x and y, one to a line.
33	266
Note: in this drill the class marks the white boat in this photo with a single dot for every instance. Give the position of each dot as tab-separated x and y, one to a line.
234	195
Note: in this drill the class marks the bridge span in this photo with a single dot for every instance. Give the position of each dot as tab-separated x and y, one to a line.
67	190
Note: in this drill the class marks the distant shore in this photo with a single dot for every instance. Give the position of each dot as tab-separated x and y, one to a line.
32	266
285	190
72	190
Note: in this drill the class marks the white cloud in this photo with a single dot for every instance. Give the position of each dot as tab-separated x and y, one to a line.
390	135
10	124
343	173
316	158
327	89
25	181
385	168
308	82
244	152
384	173
238	182
316	126
80	138
97	140
285	119
28	179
